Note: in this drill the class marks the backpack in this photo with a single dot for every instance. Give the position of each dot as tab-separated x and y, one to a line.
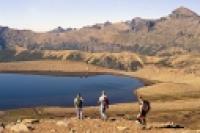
79	102
146	106
106	102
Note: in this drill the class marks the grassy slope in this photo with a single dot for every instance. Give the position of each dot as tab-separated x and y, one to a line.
49	66
123	61
187	63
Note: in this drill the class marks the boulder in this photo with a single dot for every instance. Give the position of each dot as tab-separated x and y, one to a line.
73	131
112	119
52	130
19	120
19	128
122	128
62	123
166	125
30	121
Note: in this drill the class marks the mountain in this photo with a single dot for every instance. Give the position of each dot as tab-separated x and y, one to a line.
183	12
58	30
177	33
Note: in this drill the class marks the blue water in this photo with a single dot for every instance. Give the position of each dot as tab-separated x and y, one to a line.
20	90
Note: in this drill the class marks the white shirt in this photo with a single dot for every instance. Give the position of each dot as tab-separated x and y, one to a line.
76	100
101	100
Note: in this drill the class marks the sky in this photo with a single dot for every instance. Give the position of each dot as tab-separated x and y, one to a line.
44	15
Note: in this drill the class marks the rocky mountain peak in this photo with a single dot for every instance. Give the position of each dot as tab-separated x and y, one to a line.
59	29
183	12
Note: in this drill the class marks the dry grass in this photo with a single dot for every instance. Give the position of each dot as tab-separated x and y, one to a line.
123	61
186	63
49	66
169	91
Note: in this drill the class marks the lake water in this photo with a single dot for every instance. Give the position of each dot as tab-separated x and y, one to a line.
20	90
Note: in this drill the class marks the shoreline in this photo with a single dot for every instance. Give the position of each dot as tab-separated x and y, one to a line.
146	82
81	74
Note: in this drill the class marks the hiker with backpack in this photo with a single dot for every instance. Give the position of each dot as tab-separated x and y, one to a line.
78	104
104	105
144	109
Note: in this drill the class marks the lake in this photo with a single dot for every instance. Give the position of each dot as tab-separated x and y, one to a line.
22	90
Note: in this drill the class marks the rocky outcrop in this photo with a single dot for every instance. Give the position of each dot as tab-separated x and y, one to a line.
122	128
143	25
165	125
18	128
30	121
25	125
183	12
58	30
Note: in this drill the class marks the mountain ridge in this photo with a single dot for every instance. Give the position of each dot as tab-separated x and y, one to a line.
177	33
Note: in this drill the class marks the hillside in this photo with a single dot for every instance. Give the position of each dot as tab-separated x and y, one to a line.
185	63
177	33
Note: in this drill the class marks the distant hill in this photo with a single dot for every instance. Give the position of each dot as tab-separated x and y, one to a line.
177	33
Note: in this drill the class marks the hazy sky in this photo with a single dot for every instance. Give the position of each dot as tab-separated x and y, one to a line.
42	15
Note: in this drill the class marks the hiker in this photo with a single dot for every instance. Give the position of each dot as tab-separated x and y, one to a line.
144	109
104	105
78	103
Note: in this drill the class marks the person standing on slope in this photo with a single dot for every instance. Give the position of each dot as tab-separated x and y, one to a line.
144	109
104	105
78	104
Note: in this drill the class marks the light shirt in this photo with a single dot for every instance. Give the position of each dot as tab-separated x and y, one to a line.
76	100
101	100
